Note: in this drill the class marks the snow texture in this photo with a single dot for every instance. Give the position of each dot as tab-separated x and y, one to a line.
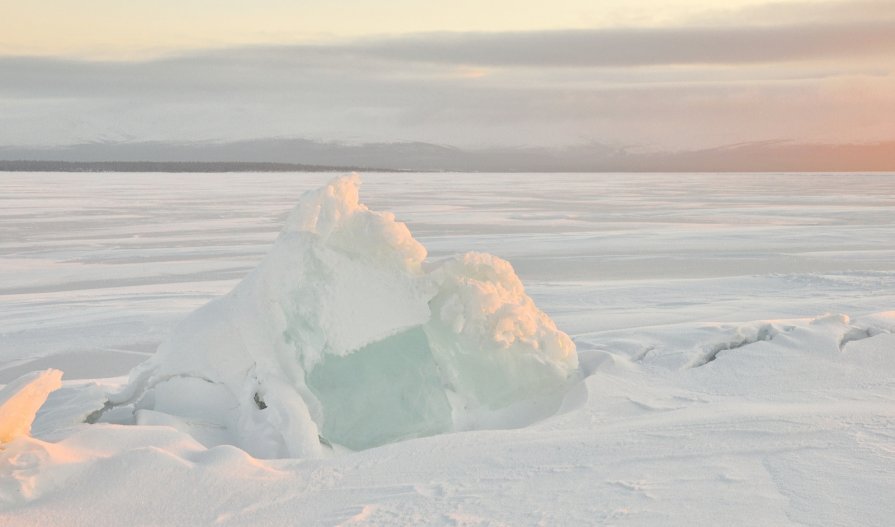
345	335
735	337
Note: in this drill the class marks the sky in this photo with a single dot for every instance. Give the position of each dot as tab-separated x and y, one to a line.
638	74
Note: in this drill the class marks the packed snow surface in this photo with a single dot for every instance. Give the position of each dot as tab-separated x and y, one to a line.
734	336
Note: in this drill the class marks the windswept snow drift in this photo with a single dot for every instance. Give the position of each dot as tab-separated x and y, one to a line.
346	335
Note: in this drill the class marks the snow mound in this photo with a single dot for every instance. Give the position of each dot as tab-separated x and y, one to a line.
21	399
345	335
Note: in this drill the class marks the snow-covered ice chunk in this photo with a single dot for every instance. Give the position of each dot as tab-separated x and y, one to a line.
493	344
21	399
345	334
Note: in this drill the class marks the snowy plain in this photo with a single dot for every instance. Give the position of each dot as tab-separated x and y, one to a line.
734	331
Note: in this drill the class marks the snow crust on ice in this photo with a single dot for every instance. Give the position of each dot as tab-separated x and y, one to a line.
346	335
21	399
714	389
789	424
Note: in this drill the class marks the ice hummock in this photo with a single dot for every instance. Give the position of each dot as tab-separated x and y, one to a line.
346	335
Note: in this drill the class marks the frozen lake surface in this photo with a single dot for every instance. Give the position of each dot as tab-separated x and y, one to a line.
735	331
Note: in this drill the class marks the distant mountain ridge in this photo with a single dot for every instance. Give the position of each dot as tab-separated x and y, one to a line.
307	155
170	166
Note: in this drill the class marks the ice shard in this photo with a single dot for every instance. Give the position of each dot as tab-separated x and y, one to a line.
22	398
